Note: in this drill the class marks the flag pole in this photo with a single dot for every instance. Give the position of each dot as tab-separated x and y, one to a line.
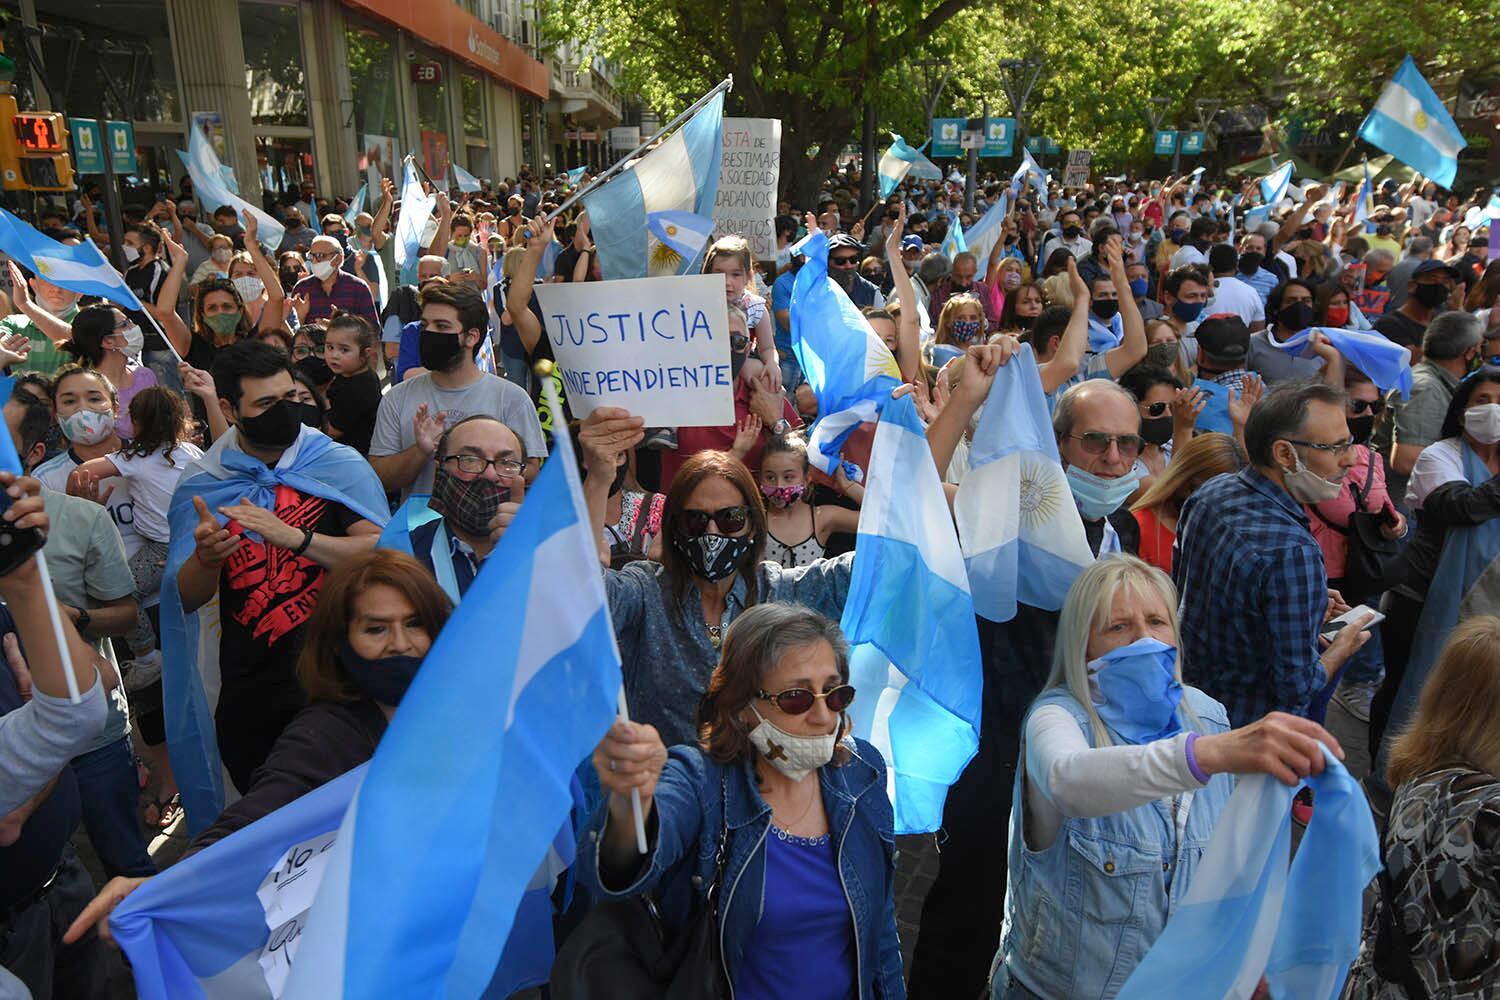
145	309
55	617
635	793
725	85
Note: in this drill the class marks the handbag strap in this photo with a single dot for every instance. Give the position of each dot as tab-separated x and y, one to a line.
1359	495
721	854
1400	956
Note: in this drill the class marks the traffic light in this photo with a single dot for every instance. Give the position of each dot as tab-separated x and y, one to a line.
33	149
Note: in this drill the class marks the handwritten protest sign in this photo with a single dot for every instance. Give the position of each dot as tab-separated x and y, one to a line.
748	175
286	894
659	347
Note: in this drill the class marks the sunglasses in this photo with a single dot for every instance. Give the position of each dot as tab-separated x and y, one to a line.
1373	406
1156	409
729	520
1098	442
738	341
842	261
798	701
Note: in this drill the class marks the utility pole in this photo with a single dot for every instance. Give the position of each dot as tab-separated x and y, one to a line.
984	115
868	166
1208	110
1018	78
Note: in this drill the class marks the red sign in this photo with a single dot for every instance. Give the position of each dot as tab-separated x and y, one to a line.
571	135
589	136
426	72
40	132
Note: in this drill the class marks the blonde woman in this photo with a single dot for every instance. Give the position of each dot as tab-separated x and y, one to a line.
1431	932
1124	774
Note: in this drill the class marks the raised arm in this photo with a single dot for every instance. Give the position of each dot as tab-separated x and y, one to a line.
606	434
1132	349
980	364
273	315
382	220
164	309
518	297
1063	365
53	328
909	327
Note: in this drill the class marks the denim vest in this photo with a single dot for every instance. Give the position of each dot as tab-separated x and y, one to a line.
1081	914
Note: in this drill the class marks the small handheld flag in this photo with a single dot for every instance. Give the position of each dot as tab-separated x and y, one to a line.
1273	186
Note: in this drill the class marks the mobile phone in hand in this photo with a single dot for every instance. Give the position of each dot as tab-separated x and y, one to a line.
1332	628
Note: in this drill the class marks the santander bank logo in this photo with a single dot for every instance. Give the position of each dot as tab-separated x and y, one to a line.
483	50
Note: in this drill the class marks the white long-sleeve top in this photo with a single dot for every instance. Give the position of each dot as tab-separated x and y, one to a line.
1066	777
38	739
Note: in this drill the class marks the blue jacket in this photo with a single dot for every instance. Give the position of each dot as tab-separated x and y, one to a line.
688	812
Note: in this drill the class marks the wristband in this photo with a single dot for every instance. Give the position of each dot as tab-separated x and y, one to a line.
307	537
1192	760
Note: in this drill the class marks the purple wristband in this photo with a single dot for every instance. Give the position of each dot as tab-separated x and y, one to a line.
1192	760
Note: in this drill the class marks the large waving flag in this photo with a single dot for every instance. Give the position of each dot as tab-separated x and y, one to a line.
1410	123
1273	186
1246	914
76	267
1387	364
357	204
212	192
910	622
416	209
680	175
475	775
466	181
850	369
954	243
894	164
1023	540
924	169
980	238
1032	172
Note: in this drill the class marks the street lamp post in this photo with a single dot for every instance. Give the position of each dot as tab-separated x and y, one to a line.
1208	109
932	85
1018	77
1156	114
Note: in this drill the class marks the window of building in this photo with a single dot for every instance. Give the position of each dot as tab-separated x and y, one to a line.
473	97
372	83
273	63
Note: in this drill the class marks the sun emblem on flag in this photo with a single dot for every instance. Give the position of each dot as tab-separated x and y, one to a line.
42	266
1040	496
663	259
1419	120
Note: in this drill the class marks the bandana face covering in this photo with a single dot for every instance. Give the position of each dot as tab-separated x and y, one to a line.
1138	690
470	505
713	557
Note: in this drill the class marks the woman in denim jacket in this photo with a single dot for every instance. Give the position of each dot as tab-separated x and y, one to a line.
1125	773
806	906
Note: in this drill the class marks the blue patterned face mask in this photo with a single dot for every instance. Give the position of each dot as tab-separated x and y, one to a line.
1138	690
963	330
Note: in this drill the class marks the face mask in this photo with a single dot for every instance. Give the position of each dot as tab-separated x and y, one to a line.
321	269
713	557
1177	235
513	210
131	254
250	287
1010	281
1430	296
1071	232
1482	422
1138	691
963	330
842	276
1156	430
135	341
1163	355
1187	311
1105	309
1139	287
221	256
782	496
794	756
1360	428
1306	486
87	427
1024	322
439	352
1250	262
1298	316
223	323
316	369
460	241
310	415
470	505
1338	315
276	428
1097	496
1136	237
384	680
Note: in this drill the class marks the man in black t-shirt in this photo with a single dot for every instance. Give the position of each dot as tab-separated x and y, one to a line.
1429	290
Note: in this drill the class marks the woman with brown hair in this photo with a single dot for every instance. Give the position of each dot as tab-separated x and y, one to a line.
377	615
1192	465
1431	932
805	898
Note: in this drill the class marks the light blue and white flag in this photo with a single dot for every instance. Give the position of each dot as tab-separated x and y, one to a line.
924	169
1255	216
682	234
850	369
910	624
1362	200
77	267
212	192
230	181
1197	176
1247	912
466	181
1273	186
1410	123
894	164
416	209
576	174
1030	172
954	243
356	205
981	238
1023	539
474	777
681	174
1387	363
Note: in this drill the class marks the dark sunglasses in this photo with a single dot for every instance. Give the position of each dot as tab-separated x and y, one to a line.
1156	409
728	520
1374	406
842	261
1098	442
738	341
797	701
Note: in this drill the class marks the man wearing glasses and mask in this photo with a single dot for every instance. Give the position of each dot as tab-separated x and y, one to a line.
328	287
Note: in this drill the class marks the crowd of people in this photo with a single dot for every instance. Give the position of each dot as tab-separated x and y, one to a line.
286	470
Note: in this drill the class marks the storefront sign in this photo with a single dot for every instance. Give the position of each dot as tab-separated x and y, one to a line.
120	137
999	137
659	347
88	146
748	175
423	73
946	133
625	137
1192	143
459	33
588	136
570	135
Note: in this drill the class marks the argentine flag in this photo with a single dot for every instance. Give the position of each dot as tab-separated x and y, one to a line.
1023	540
680	175
954	243
1362	200
78	268
910	624
850	369
474	778
894	164
1387	363
416	209
1410	123
980	239
466	181
1273	186
212	192
684	233
924	169
357	205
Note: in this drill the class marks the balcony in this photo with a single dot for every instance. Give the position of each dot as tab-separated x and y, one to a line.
584	94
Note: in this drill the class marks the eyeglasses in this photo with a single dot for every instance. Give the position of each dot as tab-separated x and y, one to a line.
843	261
474	465
1337	450
1098	442
728	519
304	351
322	256
1156	409
798	701
738	341
1374	406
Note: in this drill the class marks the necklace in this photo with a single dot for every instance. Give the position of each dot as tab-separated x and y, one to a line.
715	634
810	800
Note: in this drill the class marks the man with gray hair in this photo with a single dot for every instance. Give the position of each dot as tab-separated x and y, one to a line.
1418	250
328	287
1098	428
962	279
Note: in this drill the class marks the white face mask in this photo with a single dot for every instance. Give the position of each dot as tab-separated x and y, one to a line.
1483	422
321	269
1306	486
87	427
250	287
794	756
131	254
135	341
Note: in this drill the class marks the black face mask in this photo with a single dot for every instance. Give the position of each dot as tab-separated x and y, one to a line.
1105	309
276	428
439	352
1250	262
1360	427
1024	322
316	369
1430	296
384	680
713	557
1156	430
1296	317
1071	232
736	362
310	415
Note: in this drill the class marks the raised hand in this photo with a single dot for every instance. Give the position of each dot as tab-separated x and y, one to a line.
506	513
14	349
215	543
86	486
428	428
746	433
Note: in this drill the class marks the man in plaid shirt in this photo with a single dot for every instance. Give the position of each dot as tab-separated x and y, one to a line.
328	288
1251	579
